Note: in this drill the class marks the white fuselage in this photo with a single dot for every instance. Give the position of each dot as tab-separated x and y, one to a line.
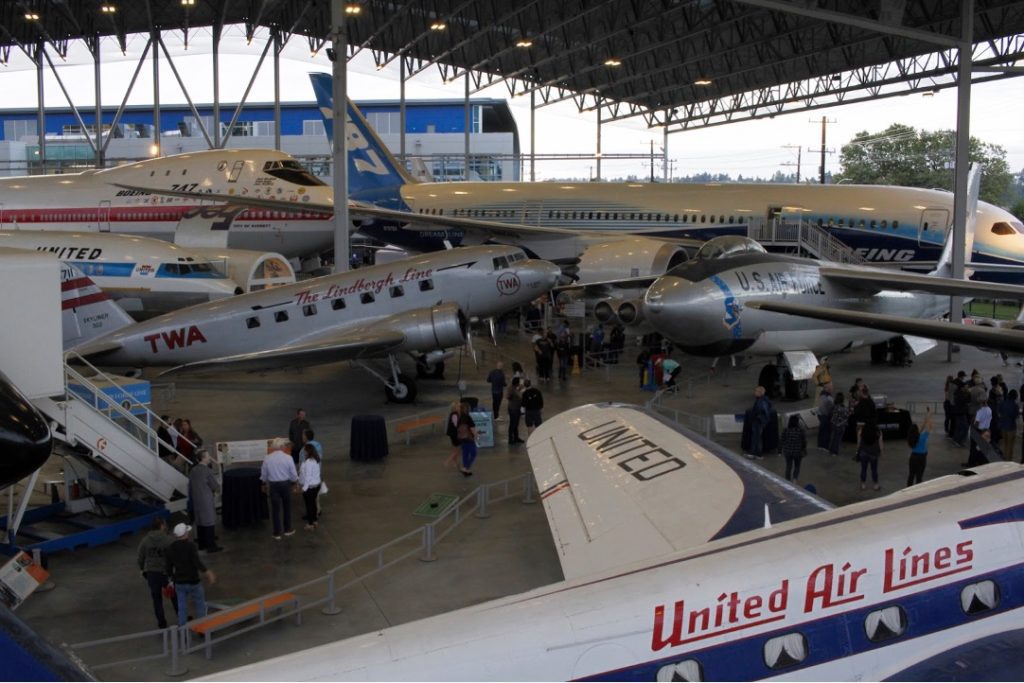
145	276
738	607
882	224
95	201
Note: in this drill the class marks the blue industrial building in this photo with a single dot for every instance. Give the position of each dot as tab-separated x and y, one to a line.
434	133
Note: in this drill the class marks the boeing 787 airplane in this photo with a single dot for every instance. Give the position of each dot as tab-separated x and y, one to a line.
881	224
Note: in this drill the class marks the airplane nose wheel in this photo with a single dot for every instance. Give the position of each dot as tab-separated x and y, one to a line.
401	390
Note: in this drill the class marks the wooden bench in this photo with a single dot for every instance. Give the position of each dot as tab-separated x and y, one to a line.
208	625
417	423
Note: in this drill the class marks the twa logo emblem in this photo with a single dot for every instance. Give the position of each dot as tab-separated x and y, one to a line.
175	339
508	284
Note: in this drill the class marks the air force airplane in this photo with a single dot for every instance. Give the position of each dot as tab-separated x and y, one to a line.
882	224
683	562
416	305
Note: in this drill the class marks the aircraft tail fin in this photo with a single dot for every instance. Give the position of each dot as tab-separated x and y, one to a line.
371	167
944	267
87	312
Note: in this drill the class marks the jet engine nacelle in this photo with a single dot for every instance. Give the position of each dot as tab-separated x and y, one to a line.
252	270
630	312
605	310
628	257
438	327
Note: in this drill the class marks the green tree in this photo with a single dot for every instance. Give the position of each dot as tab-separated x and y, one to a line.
902	155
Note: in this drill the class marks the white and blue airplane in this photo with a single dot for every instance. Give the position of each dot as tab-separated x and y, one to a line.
684	562
882	224
144	275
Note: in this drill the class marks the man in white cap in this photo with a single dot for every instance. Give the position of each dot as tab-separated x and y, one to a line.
184	569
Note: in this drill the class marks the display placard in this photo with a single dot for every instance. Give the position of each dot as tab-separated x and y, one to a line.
251	452
19	578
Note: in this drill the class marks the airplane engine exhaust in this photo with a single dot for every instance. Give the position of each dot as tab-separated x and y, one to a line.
604	311
630	313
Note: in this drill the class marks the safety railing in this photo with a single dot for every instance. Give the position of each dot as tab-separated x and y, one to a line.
321	592
124	417
813	239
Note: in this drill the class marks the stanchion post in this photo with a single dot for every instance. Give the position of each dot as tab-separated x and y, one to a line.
481	503
528	488
428	544
176	667
330	608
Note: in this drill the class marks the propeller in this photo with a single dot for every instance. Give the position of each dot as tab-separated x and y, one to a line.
494	334
469	345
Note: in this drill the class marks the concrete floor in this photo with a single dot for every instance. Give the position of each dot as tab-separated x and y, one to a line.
98	592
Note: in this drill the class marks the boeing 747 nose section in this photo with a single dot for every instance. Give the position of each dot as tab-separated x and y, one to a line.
24	435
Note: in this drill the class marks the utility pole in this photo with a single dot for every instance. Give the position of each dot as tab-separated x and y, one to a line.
799	151
652	161
824	150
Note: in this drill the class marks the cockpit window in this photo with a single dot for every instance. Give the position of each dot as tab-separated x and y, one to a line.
291	171
500	263
728	245
193	269
1004	228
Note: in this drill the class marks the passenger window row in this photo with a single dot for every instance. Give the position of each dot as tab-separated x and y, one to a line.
860	223
887	623
338	304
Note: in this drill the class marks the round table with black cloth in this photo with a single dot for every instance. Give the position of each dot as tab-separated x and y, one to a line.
242	500
369	438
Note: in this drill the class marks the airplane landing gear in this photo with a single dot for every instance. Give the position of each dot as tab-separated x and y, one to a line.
401	390
398	388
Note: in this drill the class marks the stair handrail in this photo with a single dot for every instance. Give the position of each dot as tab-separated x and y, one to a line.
123	412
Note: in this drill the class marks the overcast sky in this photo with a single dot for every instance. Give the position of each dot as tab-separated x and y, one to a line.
753	148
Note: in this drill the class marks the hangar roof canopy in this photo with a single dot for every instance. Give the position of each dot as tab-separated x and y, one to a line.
687	63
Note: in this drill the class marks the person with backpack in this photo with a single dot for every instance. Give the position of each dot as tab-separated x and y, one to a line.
917	439
793	447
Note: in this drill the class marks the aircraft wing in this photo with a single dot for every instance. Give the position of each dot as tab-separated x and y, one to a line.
349	345
620	484
876	280
1002	339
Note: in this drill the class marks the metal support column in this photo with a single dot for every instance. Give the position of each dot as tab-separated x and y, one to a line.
155	40
401	110
963	138
466	124
533	135
597	155
216	86
98	134
277	89
41	109
339	65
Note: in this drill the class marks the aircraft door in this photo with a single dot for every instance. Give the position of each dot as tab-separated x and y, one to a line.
103	216
236	171
933	222
3	217
532	212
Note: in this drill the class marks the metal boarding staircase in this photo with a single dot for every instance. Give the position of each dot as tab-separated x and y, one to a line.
113	439
802	235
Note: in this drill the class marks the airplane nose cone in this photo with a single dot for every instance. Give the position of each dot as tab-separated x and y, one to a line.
664	295
24	435
545	273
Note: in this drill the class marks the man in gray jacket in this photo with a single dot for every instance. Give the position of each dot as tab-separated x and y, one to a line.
153	567
202	487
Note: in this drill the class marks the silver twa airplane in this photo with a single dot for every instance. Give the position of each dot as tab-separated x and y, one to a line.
683	562
417	305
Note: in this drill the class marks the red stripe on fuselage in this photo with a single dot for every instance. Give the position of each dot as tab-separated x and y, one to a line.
83	300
